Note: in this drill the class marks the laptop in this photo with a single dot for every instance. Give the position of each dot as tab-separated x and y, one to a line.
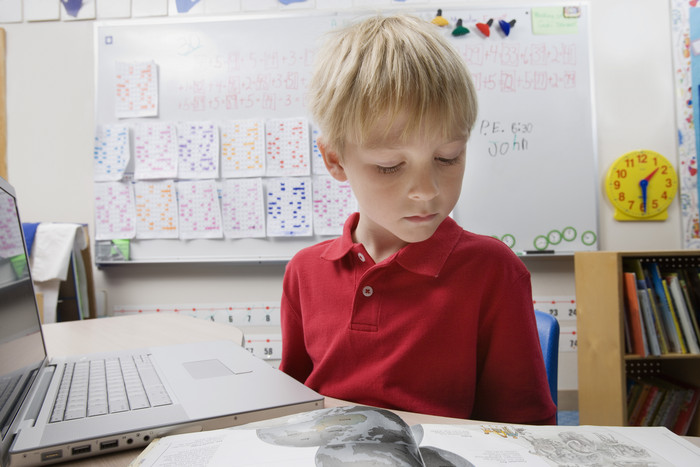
167	390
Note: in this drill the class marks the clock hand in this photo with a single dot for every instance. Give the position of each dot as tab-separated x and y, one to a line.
643	184
648	177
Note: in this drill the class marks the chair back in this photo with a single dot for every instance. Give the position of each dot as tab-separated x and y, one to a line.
548	329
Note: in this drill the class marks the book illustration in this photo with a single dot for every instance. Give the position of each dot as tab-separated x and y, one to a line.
357	435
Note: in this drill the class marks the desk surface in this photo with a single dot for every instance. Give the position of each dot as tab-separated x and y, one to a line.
135	331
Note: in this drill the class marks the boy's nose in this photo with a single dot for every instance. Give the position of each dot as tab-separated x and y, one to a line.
425	185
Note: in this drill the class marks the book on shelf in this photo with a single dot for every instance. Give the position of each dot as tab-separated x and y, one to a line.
690	299
668	304
634	316
653	324
662	401
358	435
679	303
668	312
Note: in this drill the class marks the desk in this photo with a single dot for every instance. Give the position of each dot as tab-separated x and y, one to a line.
135	331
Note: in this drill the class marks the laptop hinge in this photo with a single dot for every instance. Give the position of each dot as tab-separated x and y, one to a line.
38	398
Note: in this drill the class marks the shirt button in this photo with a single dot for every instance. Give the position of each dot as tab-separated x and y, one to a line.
367	291
361	256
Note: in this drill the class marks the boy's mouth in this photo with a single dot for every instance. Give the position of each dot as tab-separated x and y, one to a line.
421	218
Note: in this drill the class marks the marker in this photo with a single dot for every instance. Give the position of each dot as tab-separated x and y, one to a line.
539	252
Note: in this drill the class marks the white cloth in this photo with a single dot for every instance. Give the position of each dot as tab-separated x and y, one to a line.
53	246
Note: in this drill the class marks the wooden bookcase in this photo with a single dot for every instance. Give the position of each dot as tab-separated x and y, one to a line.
603	366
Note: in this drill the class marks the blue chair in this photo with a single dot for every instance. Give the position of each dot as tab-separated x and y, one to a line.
548	329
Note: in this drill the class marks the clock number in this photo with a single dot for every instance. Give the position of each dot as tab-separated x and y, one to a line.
621	196
629	163
655	204
616	184
669	183
621	173
664	169
632	205
642	158
664	195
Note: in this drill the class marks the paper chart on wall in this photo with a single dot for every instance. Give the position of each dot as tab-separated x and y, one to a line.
317	164
243	148
156	209
136	92
155	148
198	150
243	208
287	143
333	202
111	153
289	207
199	211
685	26
114	210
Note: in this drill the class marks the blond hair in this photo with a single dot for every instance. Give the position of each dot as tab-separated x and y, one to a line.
370	73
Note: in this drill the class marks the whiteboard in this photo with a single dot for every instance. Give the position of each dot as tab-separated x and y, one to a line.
531	162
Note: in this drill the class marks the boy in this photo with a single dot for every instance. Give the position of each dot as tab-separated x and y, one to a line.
407	310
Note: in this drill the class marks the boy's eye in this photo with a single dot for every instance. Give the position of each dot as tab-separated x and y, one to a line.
447	161
388	170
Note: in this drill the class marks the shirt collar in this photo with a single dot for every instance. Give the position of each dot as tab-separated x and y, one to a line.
426	257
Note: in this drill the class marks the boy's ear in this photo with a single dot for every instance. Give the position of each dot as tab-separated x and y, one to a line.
332	161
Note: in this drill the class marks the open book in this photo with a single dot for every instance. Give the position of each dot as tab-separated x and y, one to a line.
358	435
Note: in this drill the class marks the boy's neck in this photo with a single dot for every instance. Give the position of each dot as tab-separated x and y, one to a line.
379	243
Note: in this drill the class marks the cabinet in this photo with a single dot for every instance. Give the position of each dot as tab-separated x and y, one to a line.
603	366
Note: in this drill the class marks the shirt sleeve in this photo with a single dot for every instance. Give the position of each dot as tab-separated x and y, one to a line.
512	381
295	360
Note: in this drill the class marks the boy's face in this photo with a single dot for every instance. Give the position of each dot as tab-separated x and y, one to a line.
404	189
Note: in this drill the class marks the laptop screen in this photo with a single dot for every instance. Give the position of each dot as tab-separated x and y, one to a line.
22	349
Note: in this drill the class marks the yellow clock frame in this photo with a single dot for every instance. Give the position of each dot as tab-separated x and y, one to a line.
641	186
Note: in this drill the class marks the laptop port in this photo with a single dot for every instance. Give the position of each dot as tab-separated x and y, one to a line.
81	450
51	455
109	444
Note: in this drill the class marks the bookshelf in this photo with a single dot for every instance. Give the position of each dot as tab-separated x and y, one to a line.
603	366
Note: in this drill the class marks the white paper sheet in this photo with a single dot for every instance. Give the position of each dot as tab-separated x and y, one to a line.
243	148
199	211
111	153
243	208
289	207
287	147
156	209
114	211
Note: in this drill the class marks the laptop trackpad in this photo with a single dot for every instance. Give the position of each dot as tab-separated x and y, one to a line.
204	369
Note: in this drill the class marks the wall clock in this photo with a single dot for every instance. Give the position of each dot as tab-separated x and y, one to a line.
641	186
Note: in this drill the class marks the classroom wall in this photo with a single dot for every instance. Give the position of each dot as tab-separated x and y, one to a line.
50	105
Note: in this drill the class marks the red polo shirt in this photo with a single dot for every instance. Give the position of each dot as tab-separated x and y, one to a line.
444	327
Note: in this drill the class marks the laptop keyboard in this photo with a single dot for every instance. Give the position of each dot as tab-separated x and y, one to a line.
99	387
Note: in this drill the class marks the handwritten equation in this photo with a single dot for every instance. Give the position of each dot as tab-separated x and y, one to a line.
240	81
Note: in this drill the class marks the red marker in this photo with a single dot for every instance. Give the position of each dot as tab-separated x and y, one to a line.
485	28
